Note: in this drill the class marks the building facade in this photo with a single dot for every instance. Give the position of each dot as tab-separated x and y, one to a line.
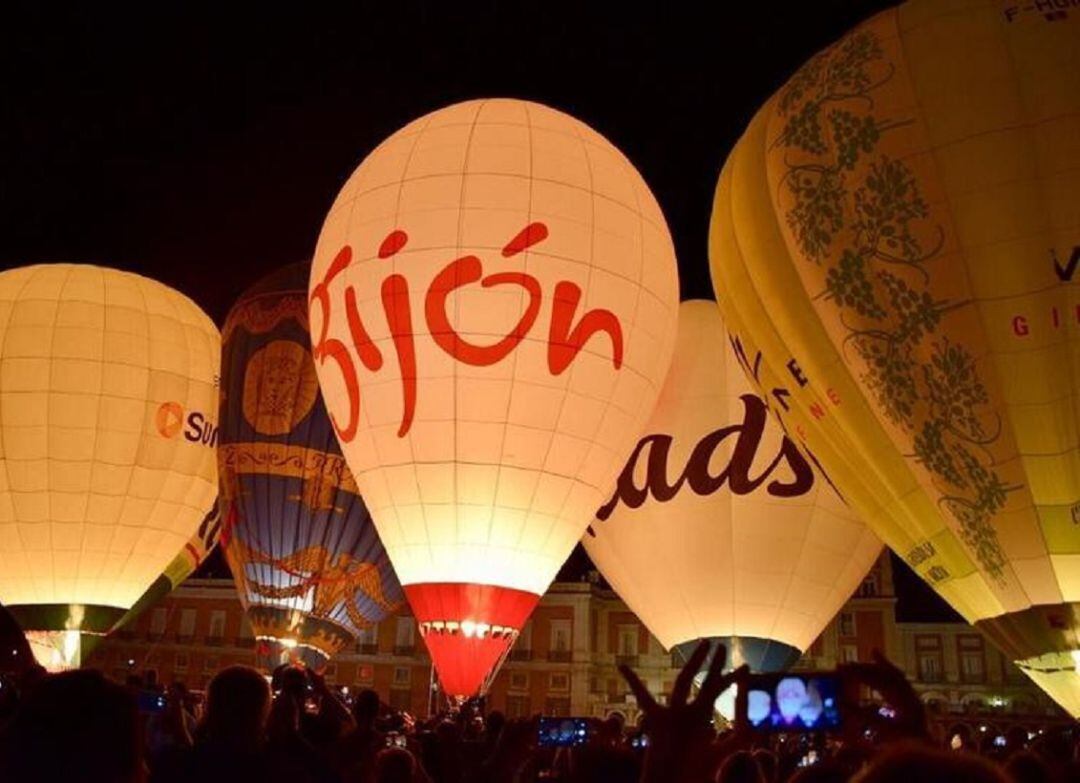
566	659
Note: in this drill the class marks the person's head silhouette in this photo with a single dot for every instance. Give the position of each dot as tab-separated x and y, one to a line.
394	765
365	708
73	726
237	705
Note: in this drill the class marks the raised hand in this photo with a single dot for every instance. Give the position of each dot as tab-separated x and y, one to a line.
909	720
681	733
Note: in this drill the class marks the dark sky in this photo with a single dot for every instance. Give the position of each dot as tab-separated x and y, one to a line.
203	148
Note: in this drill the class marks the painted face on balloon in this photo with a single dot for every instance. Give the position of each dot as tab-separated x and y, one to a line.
279	387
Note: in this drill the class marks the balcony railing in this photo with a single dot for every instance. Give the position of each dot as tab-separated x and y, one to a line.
245	641
626	660
214	641
153	636
185	638
927	676
521	655
560	656
367	648
405	651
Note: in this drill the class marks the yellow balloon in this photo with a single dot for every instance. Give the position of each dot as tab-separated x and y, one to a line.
108	410
895	246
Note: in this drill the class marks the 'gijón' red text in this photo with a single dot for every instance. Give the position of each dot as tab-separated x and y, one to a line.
565	337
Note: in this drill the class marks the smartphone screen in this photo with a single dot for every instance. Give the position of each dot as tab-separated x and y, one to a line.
152	702
562	732
792	702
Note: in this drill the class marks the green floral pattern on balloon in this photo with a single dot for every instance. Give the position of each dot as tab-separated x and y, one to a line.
861	215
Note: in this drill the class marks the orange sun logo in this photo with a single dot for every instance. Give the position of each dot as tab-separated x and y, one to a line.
169	419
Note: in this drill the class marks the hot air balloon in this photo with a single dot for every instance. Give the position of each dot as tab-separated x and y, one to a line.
180	567
108	404
308	564
718	526
894	243
493	301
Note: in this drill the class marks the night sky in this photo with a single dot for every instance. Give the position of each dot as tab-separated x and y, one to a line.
204	148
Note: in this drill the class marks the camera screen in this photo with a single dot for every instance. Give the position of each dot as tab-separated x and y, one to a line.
151	702
792	702
562	732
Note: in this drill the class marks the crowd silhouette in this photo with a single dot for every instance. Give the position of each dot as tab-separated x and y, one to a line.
79	726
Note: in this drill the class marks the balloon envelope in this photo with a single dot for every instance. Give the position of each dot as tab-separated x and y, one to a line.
718	526
308	564
493	306
194	552
894	245
108	404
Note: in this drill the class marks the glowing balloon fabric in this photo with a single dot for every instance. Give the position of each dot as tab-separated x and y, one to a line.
307	561
108	404
894	245
182	566
718	526
493	307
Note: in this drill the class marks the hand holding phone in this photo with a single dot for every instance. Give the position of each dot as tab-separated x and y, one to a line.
904	714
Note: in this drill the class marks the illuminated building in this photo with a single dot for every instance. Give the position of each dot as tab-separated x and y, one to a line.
565	659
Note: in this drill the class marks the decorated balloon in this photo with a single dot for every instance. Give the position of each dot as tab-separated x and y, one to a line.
308	564
108	404
718	526
194	552
493	308
894	245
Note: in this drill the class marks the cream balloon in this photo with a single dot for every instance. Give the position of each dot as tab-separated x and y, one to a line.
108	401
493	309
718	526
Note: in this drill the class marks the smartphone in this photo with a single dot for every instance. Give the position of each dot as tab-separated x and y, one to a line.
562	732
395	739
805	701
639	741
152	702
